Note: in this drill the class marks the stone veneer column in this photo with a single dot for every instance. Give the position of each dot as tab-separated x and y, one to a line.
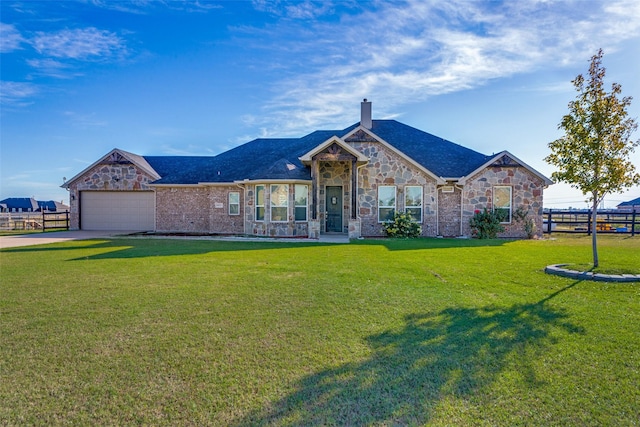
314	229
354	228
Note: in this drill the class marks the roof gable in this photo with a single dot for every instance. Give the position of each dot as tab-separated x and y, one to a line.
504	158
334	148
117	156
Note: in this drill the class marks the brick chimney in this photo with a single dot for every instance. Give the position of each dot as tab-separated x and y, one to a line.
365	114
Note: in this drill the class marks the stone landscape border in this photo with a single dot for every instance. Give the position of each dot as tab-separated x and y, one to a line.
557	270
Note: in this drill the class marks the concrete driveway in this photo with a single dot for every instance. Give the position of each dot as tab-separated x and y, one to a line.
53	237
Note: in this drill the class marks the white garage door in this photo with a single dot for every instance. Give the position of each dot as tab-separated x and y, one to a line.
117	210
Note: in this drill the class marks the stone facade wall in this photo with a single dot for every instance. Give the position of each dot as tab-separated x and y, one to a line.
289	228
387	168
526	193
197	210
107	177
449	205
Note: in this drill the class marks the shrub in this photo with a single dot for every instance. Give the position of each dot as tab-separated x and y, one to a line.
402	226
486	224
522	216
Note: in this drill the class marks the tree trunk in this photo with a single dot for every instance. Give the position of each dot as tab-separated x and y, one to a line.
594	229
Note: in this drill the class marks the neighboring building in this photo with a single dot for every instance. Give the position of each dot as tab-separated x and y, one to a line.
330	181
29	204
19	204
52	206
630	206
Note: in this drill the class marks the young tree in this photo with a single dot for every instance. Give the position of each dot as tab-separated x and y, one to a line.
593	155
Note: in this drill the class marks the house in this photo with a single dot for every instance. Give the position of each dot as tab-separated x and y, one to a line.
52	206
347	181
19	204
29	204
630	206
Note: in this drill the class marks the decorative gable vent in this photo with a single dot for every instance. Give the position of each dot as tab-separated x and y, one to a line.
360	136
118	159
505	161
447	189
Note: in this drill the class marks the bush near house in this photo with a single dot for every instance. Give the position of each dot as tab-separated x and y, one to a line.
402	225
486	224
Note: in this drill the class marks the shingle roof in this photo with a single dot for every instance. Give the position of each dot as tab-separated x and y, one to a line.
634	202
24	203
443	158
273	158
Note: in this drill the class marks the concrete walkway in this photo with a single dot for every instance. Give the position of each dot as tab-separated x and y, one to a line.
53	237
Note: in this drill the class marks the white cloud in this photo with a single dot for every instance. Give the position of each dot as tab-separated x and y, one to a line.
10	38
306	9
406	52
84	120
142	7
52	68
81	44
16	94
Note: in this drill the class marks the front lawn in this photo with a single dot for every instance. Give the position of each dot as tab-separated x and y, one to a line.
431	331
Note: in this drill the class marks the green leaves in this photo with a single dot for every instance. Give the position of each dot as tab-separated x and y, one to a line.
486	224
593	156
402	226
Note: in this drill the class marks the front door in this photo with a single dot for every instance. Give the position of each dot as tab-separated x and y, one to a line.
334	210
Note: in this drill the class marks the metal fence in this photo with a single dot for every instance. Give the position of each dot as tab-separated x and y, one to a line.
580	221
34	220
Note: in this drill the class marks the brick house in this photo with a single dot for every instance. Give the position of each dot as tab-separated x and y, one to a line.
345	181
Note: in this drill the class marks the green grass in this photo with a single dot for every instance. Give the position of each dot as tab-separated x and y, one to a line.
18	232
433	331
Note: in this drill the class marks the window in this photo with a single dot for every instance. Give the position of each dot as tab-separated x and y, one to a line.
279	202
302	193
234	203
502	203
386	202
413	202
259	202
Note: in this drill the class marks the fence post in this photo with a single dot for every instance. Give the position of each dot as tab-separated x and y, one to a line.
549	222
44	222
633	222
589	223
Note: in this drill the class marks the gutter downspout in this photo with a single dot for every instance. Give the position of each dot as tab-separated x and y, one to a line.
437	210
357	195
461	205
244	199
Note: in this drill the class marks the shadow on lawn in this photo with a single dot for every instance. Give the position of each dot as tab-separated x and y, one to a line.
455	353
430	243
141	247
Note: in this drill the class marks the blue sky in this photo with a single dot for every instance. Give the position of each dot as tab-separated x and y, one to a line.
200	77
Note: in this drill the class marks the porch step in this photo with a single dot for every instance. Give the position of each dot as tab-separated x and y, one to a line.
333	238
